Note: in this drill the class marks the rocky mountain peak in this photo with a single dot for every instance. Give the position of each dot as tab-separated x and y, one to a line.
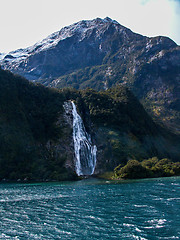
101	53
79	28
82	44
87	37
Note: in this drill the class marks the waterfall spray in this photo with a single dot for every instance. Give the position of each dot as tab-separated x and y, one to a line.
85	152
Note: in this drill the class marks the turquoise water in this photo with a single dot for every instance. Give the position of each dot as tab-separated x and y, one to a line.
91	209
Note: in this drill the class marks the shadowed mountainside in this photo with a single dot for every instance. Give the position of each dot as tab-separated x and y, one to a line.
36	139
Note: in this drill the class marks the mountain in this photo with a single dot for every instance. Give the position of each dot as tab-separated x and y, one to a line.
100	54
36	130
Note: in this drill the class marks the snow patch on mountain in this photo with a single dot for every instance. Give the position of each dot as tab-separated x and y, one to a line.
2	55
80	29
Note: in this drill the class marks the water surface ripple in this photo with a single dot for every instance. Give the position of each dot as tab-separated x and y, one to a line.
91	209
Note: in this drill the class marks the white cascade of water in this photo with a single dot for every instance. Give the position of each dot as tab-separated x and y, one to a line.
85	152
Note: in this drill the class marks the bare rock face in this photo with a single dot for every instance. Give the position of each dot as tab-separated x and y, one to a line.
68	113
73	47
68	128
63	147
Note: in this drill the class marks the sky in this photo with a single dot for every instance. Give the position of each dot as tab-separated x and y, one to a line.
25	22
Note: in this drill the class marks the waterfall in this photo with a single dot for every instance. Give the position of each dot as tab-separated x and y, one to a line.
85	152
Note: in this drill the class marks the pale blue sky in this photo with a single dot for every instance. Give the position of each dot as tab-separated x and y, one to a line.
24	22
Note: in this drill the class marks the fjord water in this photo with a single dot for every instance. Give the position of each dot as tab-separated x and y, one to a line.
91	209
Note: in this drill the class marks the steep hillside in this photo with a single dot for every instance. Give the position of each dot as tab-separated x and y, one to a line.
28	122
36	140
122	129
101	53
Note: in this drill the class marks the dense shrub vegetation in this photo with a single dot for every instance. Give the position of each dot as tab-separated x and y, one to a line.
152	167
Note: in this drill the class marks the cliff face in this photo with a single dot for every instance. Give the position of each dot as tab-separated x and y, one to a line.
100	54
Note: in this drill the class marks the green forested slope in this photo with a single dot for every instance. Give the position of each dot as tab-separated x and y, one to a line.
36	142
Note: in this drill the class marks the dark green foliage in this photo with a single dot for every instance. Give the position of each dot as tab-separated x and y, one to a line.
133	169
121	127
155	83
28	116
117	107
163	167
152	167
